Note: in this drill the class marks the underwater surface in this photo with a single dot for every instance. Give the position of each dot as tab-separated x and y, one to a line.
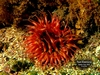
50	37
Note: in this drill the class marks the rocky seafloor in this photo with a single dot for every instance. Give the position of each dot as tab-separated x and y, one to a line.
83	17
14	62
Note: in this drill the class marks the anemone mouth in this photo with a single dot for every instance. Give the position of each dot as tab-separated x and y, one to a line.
50	45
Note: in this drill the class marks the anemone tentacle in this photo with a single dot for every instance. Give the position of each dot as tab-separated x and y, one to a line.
49	44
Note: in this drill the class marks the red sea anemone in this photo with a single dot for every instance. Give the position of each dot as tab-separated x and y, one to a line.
48	44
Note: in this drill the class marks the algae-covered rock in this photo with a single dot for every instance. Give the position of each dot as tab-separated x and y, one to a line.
32	73
3	73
